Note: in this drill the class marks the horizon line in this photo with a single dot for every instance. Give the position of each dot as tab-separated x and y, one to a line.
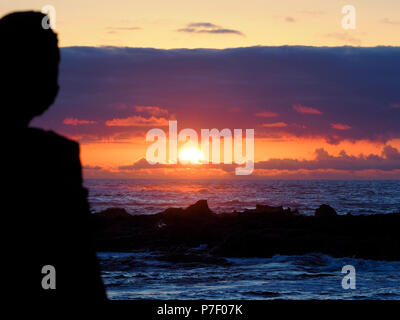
240	47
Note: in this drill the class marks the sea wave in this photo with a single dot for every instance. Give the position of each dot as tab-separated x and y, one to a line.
148	275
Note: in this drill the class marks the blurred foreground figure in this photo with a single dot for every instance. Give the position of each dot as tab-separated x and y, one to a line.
48	219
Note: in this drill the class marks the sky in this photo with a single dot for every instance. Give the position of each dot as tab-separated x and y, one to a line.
319	110
232	23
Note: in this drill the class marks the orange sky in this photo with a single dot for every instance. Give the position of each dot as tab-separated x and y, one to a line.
154	23
111	155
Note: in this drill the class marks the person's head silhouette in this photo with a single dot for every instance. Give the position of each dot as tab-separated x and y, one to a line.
29	59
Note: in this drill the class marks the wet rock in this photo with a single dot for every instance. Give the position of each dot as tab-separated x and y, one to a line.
114	213
200	208
325	211
261	232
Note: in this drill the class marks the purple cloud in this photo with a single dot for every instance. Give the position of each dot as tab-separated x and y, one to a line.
357	87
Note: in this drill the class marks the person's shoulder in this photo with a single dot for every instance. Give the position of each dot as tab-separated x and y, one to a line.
52	140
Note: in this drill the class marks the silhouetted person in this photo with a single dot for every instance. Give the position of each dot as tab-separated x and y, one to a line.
49	217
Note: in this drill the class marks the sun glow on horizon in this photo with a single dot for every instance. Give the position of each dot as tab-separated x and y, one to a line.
191	155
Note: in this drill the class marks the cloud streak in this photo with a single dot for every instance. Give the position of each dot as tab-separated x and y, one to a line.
306	110
137	121
340	126
389	21
266	114
152	110
207	27
76	122
275	125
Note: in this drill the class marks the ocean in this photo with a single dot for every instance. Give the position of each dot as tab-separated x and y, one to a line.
148	275
313	276
152	196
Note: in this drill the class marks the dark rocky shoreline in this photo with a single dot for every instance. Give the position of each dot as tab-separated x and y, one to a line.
262	232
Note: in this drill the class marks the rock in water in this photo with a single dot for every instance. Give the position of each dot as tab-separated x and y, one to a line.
199	208
261	232
114	213
325	210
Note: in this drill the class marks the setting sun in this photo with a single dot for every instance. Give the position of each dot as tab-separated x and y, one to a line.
191	155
